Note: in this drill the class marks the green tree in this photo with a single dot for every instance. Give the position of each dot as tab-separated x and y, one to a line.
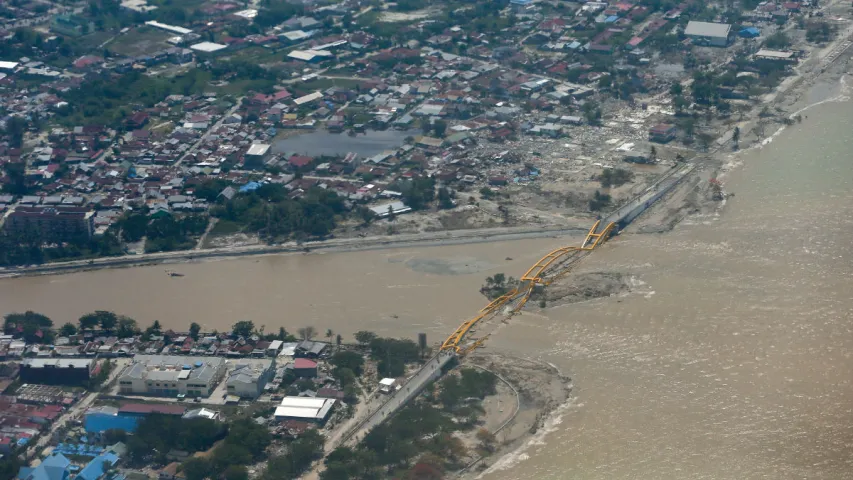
307	333
236	472
68	329
439	127
89	321
126	327
106	320
302	452
15	128
347	359
155	329
194	330
364	337
16	178
777	41
243	328
736	137
599	201
592	112
34	327
197	468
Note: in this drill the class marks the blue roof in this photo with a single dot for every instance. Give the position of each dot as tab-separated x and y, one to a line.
54	467
250	187
750	32
95	469
611	19
97	422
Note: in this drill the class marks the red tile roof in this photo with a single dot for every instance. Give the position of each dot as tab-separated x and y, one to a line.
304	363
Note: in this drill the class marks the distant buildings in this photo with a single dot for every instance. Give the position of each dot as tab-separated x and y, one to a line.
706	33
51	223
71	25
249	376
56	371
170	376
59	467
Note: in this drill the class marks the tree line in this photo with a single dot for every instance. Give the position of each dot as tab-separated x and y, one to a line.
419	441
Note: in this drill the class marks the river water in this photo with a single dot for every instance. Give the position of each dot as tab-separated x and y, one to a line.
731	359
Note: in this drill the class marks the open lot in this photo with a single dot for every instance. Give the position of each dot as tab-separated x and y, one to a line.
139	41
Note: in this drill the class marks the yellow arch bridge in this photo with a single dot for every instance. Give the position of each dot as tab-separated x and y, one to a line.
548	269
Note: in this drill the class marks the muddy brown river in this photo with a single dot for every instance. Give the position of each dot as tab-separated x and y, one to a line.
731	358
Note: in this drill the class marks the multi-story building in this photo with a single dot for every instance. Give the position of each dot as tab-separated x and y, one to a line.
71	25
170	376
56	371
51	223
249	376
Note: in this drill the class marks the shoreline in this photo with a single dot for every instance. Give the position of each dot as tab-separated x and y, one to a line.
432	239
790	99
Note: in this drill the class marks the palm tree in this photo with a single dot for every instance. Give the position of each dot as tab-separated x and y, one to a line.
329	334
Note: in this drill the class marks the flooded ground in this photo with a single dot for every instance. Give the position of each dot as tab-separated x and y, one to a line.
321	142
729	359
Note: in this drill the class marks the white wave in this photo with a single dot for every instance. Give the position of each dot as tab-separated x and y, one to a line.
538	439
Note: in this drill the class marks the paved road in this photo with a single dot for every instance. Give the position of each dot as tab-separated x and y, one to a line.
429	372
75	411
650	196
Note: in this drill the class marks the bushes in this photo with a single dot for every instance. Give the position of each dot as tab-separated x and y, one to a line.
393	355
615	177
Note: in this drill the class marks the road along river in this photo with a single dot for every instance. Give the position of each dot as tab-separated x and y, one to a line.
732	358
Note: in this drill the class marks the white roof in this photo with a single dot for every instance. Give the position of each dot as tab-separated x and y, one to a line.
201	412
250	13
304	407
170	28
275	345
208	47
305	55
302	402
258	149
387	381
308	98
296	35
773	53
707	29
8	65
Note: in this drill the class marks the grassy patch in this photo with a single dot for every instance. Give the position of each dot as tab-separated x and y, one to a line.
139	41
240	87
225	227
324	83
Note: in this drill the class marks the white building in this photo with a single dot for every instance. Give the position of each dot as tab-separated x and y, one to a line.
208	47
249	376
707	33
274	348
170	376
388	385
201	413
305	409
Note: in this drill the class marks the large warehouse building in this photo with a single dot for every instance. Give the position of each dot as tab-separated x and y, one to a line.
707	33
170	376
56	371
306	409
